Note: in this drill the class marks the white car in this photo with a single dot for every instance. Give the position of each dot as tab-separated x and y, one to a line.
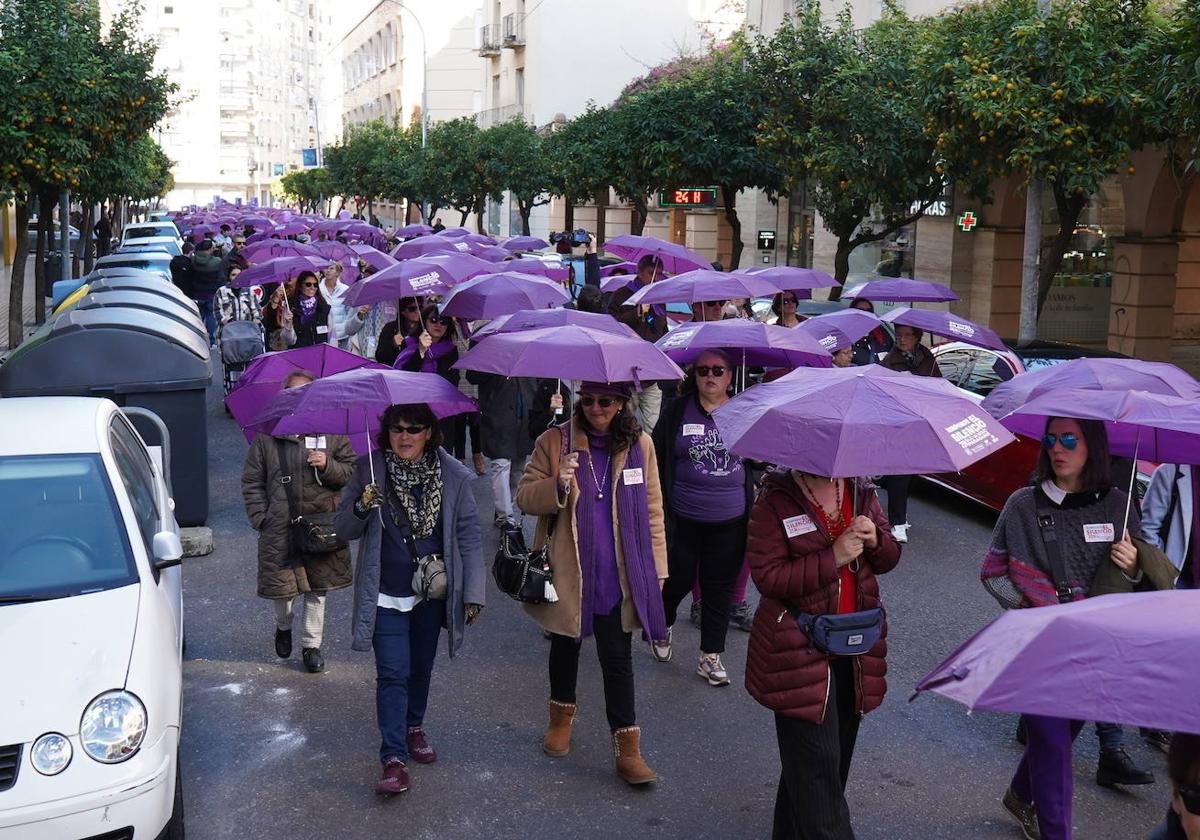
158	262
91	618
168	244
142	230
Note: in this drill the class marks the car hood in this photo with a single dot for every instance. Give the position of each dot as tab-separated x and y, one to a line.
59	655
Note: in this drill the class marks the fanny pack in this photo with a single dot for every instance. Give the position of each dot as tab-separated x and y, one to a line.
845	634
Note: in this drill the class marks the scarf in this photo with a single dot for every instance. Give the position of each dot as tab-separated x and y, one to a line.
308	308
633	516
429	364
417	486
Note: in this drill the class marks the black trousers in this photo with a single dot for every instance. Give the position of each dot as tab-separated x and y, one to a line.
815	763
897	493
614	649
718	549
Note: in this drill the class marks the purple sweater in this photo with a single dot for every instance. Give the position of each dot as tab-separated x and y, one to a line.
597	541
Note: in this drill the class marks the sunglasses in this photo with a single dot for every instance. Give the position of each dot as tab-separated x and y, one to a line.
791	300
1190	794
412	309
711	370
436	319
308	284
1069	441
397	429
587	401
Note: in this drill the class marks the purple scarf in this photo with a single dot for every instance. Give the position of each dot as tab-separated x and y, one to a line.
429	363
308	308
633	516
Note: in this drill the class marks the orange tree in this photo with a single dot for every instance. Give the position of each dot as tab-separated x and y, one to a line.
1063	96
837	116
1179	84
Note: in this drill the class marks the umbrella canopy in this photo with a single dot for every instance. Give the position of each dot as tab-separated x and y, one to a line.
747	342
675	258
946	324
278	270
1096	659
570	352
502	293
524	243
848	422
414	230
536	319
201	232
269	249
629	268
835	330
618	281
264	376
790	278
291	228
1095	374
351	403
373	257
492	253
335	250
702	284
901	289
410	278
532	265
464	235
424	245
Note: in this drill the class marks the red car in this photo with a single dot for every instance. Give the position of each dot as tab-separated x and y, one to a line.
976	371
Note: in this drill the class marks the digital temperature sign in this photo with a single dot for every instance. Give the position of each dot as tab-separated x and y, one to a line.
688	197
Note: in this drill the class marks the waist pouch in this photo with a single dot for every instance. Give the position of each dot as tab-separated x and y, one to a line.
845	634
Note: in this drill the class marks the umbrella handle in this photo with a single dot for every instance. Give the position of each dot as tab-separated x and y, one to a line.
558	390
371	457
1137	443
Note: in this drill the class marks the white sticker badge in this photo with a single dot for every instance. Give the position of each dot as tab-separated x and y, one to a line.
795	526
693	429
314	442
322	329
1100	532
632	476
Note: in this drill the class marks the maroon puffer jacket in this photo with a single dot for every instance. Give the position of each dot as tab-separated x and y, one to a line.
782	671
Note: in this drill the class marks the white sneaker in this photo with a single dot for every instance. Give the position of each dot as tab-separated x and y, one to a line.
711	669
662	648
900	532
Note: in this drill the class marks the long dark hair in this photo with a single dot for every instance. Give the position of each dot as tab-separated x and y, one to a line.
1097	470
624	431
408	415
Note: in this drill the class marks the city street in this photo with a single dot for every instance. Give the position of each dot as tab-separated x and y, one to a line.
270	751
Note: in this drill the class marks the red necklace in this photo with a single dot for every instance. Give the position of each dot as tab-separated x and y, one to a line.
833	524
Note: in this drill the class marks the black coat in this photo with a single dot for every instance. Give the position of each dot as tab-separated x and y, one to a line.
505	404
183	273
386	349
923	363
308	334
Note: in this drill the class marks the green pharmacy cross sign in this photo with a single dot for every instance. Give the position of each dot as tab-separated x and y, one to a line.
967	221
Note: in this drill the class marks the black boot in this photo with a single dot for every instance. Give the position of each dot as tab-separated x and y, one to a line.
1117	768
283	643
313	661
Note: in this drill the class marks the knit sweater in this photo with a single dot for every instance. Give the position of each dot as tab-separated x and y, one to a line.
1016	569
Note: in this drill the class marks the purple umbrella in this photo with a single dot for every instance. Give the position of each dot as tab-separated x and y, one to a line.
410	278
618	281
410	231
747	342
1095	374
335	250
835	330
630	268
264	377
901	289
492	253
502	293
675	258
570	352
269	249
946	324
350	403
524	243
373	257
702	284
423	245
536	319
790	278
532	265
278	270
291	228
464	235
848	422
201	232
1096	659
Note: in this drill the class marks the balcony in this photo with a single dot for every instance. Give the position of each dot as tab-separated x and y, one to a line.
514	31
503	114
489	40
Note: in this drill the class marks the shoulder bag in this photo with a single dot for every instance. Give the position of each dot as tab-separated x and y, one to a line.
312	534
429	582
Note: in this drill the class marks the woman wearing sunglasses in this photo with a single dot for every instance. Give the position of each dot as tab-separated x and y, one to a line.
1183	770
1046	548
308	320
707	493
434	350
421	505
784	307
391	337
593	483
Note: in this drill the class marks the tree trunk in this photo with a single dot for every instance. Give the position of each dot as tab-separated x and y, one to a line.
1069	209
729	196
462	218
569	215
841	265
89	248
526	211
44	229
479	215
16	289
640	212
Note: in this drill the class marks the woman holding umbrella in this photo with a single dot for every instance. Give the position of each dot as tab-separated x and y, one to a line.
874	345
1048	544
603	521
391	338
309	319
784	307
422	506
434	350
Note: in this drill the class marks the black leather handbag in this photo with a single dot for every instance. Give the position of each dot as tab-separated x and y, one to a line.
522	574
311	534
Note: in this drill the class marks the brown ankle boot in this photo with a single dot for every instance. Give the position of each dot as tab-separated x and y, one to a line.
558	731
628	756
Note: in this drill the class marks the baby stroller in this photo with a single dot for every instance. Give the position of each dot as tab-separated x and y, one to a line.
240	341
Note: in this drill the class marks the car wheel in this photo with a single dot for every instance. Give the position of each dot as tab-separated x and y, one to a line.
174	827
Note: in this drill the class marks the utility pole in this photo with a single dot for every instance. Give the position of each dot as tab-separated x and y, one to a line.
64	238
1032	250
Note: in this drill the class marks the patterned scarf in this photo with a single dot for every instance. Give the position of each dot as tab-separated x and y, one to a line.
423	476
308	306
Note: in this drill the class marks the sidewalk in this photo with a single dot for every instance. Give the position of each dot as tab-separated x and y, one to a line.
26	300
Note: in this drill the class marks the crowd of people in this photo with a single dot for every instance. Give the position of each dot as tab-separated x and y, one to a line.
641	503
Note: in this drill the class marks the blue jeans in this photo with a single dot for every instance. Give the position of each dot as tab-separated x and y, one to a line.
208	316
405	646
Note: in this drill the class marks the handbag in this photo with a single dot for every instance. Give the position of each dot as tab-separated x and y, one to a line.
521	574
429	581
844	634
311	534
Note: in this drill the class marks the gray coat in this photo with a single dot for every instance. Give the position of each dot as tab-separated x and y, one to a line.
1170	482
462	547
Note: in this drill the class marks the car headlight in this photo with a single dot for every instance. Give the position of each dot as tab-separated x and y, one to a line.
112	727
51	754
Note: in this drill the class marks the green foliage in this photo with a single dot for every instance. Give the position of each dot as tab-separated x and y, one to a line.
576	156
1178	82
307	187
518	162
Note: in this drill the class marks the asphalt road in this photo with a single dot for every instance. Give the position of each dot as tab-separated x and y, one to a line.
270	751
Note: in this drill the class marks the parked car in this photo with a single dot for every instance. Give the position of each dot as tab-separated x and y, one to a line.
52	242
170	244
976	371
158	262
142	230
90	585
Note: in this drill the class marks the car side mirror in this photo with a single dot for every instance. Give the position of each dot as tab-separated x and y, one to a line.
167	550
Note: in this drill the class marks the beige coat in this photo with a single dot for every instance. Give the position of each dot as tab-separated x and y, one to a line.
537	494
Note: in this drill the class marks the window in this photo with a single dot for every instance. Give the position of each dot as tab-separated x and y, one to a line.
988	371
520	77
954	365
168	10
137	474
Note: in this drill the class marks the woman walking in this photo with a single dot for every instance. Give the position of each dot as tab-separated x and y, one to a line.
593	481
347	320
422	506
283	478
434	349
876	344
809	553
1073	508
784	307
707	492
391	337
308	320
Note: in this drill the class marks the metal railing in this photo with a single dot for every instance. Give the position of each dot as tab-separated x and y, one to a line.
502	114
489	39
514	30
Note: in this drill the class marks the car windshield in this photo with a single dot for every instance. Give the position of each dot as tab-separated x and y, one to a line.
134	262
143	232
63	534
